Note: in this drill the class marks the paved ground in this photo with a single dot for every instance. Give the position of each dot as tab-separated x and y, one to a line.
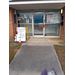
43	41
32	60
54	41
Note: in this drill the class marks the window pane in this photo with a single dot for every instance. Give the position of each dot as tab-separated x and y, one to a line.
52	23
52	29
24	20
38	17
14	18
52	17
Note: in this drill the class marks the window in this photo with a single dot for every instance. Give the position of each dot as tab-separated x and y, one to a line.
14	18
24	20
38	17
52	22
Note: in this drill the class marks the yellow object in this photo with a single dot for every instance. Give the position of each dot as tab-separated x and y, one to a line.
27	35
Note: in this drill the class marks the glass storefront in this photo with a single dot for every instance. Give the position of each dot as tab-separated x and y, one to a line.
24	20
52	22
51	19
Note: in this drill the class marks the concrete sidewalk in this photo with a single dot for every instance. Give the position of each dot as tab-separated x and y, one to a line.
54	41
42	41
32	60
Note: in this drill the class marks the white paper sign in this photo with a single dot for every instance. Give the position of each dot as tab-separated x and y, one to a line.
21	35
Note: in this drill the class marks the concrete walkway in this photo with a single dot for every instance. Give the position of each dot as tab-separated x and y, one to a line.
46	41
32	60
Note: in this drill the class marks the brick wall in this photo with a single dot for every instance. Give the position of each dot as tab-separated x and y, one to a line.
12	26
62	28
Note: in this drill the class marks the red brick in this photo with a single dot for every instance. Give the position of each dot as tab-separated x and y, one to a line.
12	26
62	31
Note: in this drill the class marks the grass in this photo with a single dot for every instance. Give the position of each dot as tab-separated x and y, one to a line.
12	51
60	50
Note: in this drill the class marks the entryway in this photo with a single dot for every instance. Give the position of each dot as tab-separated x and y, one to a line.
38	18
34	19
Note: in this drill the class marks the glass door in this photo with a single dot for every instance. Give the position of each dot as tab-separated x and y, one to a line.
38	22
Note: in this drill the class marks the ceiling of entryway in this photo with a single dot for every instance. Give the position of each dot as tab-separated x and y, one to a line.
37	6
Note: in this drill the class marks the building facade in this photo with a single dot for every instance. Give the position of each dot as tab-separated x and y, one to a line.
43	18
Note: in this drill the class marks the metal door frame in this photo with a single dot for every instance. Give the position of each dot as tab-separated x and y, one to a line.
33	24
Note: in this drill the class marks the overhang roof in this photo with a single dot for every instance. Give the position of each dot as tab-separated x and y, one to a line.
37	5
34	0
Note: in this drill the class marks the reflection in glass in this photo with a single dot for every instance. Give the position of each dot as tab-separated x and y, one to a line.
24	20
52	29
38	29
38	21
52	23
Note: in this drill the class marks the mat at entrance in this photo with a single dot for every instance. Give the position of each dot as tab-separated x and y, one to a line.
32	60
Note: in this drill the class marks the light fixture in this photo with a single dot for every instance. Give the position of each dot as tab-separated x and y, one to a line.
61	11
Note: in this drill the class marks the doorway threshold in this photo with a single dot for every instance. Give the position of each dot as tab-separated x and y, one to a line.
38	36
